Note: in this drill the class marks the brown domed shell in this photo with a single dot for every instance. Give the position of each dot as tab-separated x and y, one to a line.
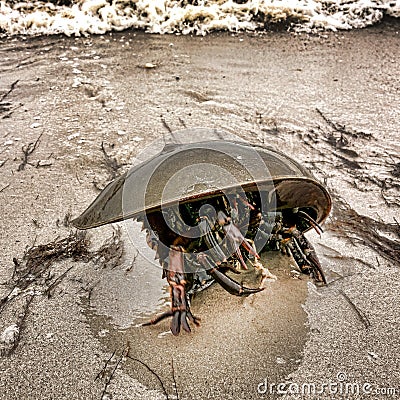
187	172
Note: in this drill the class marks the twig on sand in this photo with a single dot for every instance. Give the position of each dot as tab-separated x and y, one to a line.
182	122
49	289
5	106
164	122
170	131
112	373
341	257
12	87
101	373
329	248
27	151
125	353
173	378
4	187
332	124
152	371
361	315
111	163
77	178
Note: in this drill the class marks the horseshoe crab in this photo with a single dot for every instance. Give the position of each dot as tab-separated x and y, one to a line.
209	205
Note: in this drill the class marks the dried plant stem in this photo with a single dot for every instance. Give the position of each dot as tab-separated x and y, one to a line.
360	314
152	371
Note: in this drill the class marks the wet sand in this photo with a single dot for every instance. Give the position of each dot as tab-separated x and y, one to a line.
239	342
78	93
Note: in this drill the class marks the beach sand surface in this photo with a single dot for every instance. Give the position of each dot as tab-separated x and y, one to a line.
331	101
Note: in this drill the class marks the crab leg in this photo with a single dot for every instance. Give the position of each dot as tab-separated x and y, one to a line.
211	242
180	309
304	254
151	238
311	257
240	257
225	281
159	318
312	222
234	235
246	203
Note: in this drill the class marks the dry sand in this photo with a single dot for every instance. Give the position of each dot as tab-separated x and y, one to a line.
78	93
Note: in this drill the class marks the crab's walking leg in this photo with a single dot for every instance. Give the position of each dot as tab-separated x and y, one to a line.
227	283
235	237
311	257
304	254
180	309
212	244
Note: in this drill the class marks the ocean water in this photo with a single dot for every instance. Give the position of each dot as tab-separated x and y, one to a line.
82	17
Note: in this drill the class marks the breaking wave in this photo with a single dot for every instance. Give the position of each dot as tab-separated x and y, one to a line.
79	17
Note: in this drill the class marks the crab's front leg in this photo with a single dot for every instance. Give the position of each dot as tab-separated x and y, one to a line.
212	262
180	307
303	253
310	255
235	237
224	280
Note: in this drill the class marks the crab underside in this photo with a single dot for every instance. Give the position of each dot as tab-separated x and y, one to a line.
198	242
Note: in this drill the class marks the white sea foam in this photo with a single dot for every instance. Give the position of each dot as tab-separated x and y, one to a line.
189	17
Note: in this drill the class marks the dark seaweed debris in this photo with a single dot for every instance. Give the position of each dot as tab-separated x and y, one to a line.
34	267
36	262
6	106
110	253
112	166
339	139
111	163
33	275
380	236
342	130
366	166
27	151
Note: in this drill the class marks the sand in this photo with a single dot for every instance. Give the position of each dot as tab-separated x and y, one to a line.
127	90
